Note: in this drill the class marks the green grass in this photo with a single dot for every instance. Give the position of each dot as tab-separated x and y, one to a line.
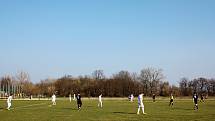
113	110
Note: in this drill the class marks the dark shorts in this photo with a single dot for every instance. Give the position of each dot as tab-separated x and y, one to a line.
195	101
171	100
79	102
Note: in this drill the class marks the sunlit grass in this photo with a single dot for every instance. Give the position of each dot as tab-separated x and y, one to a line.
117	110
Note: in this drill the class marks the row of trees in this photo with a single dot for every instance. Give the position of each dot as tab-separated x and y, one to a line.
18	85
199	85
150	81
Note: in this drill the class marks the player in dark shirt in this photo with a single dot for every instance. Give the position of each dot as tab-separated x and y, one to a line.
153	97
202	98
79	102
171	100
195	100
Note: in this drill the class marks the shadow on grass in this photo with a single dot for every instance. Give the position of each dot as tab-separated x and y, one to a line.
76	108
70	108
123	113
178	108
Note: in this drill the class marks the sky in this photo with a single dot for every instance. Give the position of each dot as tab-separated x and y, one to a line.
53	38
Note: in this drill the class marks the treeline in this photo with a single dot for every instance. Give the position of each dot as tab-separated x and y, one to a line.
122	84
199	85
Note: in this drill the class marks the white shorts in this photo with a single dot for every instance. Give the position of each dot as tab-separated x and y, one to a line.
8	104
140	105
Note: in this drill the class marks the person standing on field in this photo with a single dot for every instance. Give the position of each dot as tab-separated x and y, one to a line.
140	103
53	99
9	99
153	97
79	102
132	98
171	100
70	97
202	98
195	100
100	101
74	96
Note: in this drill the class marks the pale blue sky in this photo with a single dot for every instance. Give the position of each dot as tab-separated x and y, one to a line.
51	38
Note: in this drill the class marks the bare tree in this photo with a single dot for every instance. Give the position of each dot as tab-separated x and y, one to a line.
183	85
202	85
123	82
24	82
98	74
164	88
150	78
23	77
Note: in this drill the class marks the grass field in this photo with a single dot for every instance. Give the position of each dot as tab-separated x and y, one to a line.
113	110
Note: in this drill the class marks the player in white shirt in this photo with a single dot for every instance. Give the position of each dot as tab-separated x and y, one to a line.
9	102
74	97
140	103
53	99
70	97
132	98
100	101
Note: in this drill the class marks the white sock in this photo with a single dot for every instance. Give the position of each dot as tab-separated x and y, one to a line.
138	110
